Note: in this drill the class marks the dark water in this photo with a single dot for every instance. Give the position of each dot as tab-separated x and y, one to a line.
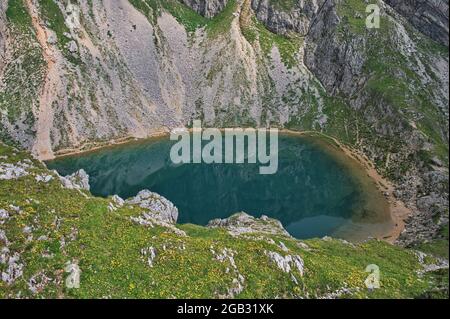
314	193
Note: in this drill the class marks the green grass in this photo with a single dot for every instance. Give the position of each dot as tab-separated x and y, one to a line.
184	15
353	14
190	19
52	13
438	247
17	14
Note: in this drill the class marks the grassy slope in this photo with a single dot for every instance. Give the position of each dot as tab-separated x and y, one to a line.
438	247
23	77
107	246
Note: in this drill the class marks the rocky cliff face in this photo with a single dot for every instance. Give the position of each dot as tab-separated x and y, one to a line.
430	17
279	17
284	18
79	73
89	83
69	89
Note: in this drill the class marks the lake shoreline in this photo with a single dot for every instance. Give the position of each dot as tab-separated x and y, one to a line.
397	209
87	148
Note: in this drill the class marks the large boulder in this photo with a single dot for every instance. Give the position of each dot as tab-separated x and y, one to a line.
156	205
243	223
78	180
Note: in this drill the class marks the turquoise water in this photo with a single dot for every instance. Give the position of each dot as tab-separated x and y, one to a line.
314	193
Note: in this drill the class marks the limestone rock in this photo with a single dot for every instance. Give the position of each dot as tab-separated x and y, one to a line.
149	254
45	178
243	223
156	206
287	263
38	282
52	39
118	201
13	171
4	216
73	279
78	180
72	47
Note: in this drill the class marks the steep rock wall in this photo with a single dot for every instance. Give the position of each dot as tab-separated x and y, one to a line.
429	16
283	20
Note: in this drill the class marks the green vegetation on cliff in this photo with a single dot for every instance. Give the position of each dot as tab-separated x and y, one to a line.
55	18
190	19
22	77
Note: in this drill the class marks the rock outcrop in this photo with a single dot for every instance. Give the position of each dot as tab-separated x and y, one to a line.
78	180
282	20
207	8
156	206
242	223
287	263
12	267
13	171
